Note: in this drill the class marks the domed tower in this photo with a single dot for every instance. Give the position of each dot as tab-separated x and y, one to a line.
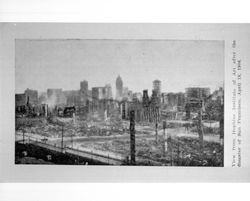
119	88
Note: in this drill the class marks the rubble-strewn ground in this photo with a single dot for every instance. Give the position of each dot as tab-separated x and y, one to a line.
181	151
80	127
111	137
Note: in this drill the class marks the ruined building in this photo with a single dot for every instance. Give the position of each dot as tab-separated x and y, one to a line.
108	91
196	98
32	96
145	99
56	97
20	103
164	98
197	92
155	99
72	97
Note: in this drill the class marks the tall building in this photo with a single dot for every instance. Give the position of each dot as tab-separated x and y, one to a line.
157	87
20	103
83	93
98	93
155	99
108	91
197	93
32	96
119	88
145	98
84	85
174	100
72	97
20	100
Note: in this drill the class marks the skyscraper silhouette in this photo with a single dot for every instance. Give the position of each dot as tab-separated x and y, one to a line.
119	87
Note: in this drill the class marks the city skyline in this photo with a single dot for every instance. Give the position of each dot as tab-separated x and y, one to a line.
64	63
113	91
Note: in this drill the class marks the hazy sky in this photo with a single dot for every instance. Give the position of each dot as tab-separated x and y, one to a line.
42	64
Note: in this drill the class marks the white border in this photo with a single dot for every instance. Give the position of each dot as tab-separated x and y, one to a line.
57	173
146	11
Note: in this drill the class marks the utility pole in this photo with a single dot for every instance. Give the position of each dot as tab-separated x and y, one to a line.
156	132
171	149
132	137
200	130
222	121
222	125
178	152
62	139
164	140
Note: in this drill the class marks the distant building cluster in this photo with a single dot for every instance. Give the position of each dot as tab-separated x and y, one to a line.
100	99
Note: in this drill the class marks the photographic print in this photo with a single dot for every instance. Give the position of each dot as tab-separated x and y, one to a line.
134	102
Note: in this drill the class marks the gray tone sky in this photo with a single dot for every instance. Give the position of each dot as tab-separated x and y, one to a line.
42	64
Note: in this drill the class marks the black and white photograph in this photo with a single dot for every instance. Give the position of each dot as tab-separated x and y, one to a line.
120	102
124	100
